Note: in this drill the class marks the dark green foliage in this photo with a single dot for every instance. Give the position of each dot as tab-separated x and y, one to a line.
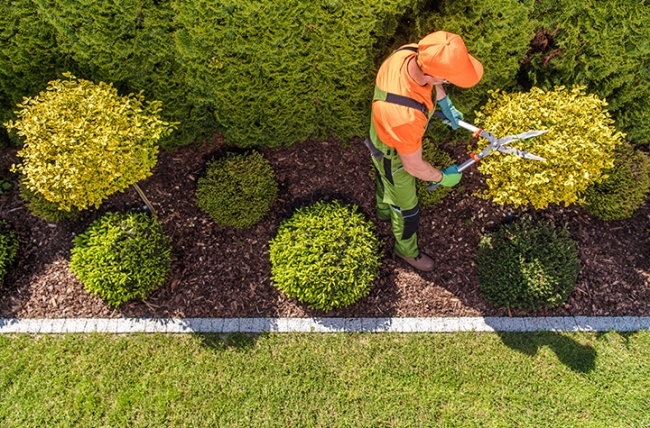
440	160
131	44
122	256
29	57
8	249
600	44
278	72
41	207
496	32
624	190
237	190
326	255
527	265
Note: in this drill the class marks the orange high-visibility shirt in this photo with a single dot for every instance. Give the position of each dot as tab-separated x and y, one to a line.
397	126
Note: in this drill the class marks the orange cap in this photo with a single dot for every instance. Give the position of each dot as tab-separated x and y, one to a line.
444	55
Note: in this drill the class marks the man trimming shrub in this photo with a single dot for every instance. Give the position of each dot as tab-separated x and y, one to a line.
325	255
8	249
237	190
122	256
527	265
578	146
84	142
624	189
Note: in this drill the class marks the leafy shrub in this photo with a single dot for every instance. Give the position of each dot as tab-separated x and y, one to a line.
326	255
527	265
625	187
578	146
84	142
122	256
8	249
41	207
237	190
438	159
496	32
602	45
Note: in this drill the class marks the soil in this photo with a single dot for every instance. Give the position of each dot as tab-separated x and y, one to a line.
223	272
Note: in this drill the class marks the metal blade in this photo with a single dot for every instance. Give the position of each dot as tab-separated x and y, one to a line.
520	153
522	136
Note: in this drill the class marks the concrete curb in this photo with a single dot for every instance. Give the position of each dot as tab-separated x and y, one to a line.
320	325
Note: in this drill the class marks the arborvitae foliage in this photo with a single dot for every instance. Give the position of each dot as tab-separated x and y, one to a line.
237	190
8	249
131	44
625	187
600	44
496	32
29	57
527	265
84	142
278	72
438	159
122	256
578	146
41	207
326	255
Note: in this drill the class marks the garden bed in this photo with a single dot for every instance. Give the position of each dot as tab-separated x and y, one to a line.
223	272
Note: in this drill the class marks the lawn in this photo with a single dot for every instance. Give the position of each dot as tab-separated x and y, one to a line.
303	380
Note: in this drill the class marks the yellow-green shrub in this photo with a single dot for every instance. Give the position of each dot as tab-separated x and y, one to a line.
84	142
578	146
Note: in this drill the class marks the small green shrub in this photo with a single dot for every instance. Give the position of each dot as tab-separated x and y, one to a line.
237	190
527	265
122	256
438	159
41	207
624	189
8	249
325	255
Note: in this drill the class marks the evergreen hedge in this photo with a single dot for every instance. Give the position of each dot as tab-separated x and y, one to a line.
8	248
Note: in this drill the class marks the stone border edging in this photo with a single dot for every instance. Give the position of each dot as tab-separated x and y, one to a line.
321	325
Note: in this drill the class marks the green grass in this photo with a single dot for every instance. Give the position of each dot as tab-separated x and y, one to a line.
304	380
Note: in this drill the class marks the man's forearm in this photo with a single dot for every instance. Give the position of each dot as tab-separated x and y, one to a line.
425	172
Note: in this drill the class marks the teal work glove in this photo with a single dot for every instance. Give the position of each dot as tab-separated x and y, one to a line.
450	177
452	115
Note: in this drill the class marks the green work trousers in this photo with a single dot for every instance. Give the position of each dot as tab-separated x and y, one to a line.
396	198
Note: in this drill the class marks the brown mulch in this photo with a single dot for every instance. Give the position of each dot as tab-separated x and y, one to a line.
222	272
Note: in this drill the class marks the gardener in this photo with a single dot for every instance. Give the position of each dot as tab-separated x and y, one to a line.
402	106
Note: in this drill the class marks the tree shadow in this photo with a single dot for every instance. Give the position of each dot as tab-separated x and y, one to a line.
234	342
576	356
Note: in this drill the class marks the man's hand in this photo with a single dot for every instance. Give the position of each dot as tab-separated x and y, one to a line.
450	176
452	115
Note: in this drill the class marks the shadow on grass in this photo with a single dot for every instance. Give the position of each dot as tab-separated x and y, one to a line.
576	356
235	342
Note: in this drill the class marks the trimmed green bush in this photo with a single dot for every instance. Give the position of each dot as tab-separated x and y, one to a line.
600	44
527	265
438	159
121	257
325	255
8	249
237	190
41	207
625	187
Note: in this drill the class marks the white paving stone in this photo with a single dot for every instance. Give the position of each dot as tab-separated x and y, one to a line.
321	325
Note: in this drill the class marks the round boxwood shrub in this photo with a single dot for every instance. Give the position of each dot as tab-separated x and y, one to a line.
47	210
325	255
624	189
8	249
122	256
237	190
527	265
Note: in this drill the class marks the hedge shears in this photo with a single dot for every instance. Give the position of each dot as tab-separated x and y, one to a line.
495	144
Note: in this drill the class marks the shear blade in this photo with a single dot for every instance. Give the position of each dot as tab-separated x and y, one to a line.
520	153
522	136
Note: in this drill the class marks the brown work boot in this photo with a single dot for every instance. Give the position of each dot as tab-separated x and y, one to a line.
420	262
